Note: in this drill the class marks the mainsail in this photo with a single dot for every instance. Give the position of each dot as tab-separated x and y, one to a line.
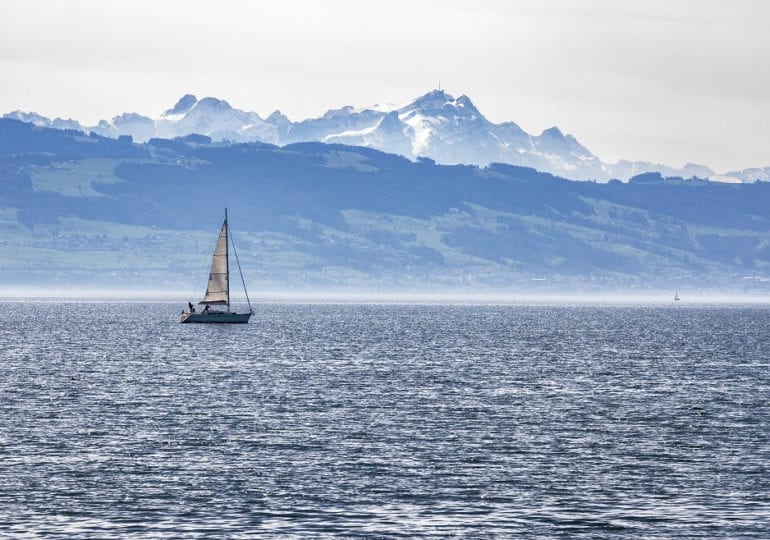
218	290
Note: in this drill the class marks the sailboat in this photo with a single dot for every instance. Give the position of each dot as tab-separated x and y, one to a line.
676	296
218	290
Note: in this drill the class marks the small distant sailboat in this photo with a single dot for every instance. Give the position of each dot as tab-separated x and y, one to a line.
676	296
218	290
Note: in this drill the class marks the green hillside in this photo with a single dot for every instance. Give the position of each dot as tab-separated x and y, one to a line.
78	210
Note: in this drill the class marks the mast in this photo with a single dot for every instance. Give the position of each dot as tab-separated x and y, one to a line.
227	261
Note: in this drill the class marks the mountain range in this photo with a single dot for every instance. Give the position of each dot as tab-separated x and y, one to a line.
436	125
89	211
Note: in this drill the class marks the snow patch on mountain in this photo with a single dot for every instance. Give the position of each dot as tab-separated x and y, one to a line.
422	127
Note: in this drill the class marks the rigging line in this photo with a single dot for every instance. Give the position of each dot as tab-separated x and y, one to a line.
235	252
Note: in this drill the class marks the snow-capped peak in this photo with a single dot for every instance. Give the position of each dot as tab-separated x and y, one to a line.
29	117
213	104
185	103
277	117
429	103
465	102
336	113
552	133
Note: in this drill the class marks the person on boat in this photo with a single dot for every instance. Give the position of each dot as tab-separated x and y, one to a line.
206	308
192	308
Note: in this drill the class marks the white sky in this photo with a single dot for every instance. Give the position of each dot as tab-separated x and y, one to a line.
669	81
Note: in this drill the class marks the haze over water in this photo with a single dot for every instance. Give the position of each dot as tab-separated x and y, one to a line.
583	420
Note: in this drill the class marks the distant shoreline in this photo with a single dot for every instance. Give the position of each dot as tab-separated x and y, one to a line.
394	297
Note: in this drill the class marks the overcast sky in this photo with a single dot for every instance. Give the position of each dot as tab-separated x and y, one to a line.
669	81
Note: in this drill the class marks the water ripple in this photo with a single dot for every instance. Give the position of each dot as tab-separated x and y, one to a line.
385	421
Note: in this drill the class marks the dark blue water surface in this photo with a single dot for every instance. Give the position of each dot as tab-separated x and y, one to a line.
379	420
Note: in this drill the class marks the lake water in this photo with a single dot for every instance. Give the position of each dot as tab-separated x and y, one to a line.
581	421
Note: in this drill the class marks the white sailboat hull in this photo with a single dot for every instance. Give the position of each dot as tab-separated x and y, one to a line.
227	317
